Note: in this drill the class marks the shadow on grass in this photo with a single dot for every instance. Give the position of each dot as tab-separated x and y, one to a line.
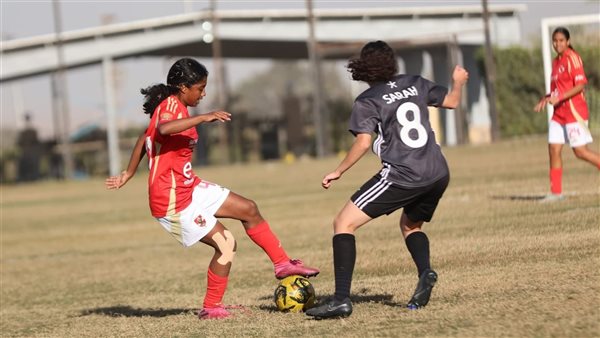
361	297
128	311
519	197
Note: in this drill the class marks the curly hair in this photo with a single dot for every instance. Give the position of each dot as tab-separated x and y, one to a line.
377	63
184	72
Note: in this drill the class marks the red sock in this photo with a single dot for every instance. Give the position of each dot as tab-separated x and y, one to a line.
215	289
556	180
262	235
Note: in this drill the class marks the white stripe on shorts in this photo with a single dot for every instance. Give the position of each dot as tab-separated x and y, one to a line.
373	192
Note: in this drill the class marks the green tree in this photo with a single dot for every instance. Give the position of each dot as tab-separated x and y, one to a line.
519	86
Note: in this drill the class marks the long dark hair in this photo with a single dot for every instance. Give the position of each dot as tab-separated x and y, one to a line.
564	31
377	62
186	72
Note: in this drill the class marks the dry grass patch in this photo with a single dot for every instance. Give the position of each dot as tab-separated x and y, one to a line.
78	261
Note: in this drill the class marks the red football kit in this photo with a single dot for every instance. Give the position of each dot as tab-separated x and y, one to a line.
171	180
567	72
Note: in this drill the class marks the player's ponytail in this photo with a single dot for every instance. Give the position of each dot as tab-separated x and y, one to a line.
564	31
155	94
184	72
377	63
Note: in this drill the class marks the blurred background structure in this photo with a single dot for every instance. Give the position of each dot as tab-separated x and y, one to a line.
279	71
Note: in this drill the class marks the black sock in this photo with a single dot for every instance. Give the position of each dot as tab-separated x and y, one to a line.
418	246
344	255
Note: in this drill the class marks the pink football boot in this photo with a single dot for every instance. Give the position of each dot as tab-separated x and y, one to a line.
294	267
218	312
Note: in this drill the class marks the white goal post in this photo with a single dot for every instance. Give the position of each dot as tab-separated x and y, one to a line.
548	23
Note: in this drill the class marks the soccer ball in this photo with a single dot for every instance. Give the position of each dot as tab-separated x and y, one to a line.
294	294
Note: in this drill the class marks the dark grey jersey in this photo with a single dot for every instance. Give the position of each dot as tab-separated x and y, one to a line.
397	112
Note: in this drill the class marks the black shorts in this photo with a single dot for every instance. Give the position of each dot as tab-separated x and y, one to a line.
379	196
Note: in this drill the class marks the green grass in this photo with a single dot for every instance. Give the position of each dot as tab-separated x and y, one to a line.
80	261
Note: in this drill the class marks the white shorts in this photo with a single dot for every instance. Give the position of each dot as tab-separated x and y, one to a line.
574	132
198	219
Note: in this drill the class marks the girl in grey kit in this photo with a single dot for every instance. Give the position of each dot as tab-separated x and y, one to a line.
414	172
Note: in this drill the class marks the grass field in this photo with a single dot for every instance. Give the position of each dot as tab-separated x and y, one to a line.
80	261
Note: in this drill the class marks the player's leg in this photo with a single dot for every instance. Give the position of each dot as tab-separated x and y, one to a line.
556	140
586	154
374	198
258	229
222	241
348	220
579	137
411	223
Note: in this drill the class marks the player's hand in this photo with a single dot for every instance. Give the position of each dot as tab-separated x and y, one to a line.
115	182
218	115
460	75
541	105
327	180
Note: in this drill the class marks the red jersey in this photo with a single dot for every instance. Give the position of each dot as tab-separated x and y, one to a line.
567	72
171	180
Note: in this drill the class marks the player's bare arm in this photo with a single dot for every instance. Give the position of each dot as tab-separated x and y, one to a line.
553	100
361	144
179	125
459	78
115	182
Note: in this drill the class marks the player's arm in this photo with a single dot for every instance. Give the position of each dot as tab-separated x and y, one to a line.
553	100
542	103
179	125
139	150
361	144
459	78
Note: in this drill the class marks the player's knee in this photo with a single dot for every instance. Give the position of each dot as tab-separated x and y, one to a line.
340	226
407	224
580	152
225	245
251	209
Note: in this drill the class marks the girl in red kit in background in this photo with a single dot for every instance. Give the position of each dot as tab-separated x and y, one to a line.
185	205
570	119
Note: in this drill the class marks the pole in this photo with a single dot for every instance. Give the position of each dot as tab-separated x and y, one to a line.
219	80
490	68
60	97
112	133
453	51
320	119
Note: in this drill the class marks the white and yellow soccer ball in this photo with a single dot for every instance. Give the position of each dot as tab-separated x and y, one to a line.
294	294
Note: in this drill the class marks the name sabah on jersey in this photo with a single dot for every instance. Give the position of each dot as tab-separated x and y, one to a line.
399	95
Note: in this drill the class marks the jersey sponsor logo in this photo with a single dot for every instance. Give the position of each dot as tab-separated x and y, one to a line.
579	78
187	169
399	95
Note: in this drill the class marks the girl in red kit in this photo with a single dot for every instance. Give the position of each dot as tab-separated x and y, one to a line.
570	119
185	205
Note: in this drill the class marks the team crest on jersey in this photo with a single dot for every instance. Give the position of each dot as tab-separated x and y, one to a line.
200	221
